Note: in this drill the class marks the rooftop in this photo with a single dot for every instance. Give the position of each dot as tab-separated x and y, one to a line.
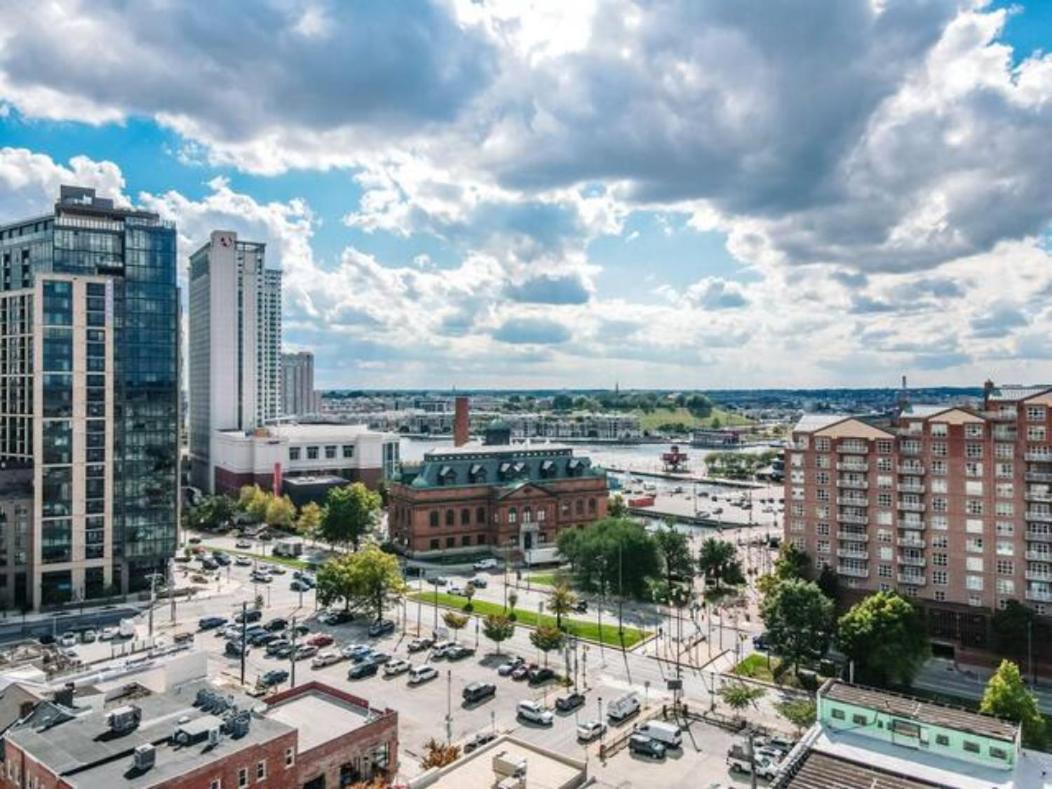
928	712
822	771
296	432
320	717
808	423
1016	392
544	769
501	464
924	410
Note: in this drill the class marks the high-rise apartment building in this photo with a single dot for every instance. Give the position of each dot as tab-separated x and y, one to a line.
951	506
234	345
297	384
89	398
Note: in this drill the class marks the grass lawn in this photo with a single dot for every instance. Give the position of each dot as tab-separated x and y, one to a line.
663	416
755	667
297	564
576	627
551	579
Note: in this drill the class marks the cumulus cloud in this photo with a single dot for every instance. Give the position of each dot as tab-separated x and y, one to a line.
715	293
550	289
534	331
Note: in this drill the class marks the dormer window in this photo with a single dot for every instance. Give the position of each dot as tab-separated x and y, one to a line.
446	475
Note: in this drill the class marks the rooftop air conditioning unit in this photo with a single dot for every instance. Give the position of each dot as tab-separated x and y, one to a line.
124	719
144	758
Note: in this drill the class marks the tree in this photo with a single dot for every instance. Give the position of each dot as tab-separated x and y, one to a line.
546	638
1007	697
254	501
884	634
829	583
211	513
439	755
561	601
616	507
1013	627
350	513
612	556
718	562
674	547
455	622
738	696
280	512
498	628
309	522
469	592
246	494
799	712
562	402
366	579
799	621
513	598
792	562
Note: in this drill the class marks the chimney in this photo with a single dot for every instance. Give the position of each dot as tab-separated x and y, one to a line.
65	695
460	421
988	389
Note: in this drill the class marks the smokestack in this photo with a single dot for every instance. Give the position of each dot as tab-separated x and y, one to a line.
460	421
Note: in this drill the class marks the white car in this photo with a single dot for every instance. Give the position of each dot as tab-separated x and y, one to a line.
485	564
421	674
505	669
589	730
456	589
326	658
534	711
68	640
396	667
440	649
109	633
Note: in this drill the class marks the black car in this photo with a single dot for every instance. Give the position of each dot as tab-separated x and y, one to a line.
364	669
759	642
339	617
581	606
479	740
299	585
273	677
300	630
458	652
477	691
569	702
274	625
644	746
209	564
233	648
221	559
539	675
249	616
381	628
210	622
262	639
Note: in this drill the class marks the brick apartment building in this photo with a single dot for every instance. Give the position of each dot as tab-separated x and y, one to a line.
951	506
196	736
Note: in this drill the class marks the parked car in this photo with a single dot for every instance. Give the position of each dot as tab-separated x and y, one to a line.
441	648
211	622
534	712
320	640
209	564
421	674
645	746
252	615
381	628
364	669
540	675
68	640
221	559
282	650
242	544
234	649
485	564
623	708
380	657
260	577
194	541
456	589
326	658
760	642
479	582
420	644
243	561
438	580
336	617
262	637
396	667
305	651
276	625
110	633
522	671
277	645
738	762
353	651
570	701
580	606
273	677
88	636
275	569
666	733
590	729
299	585
300	630
459	652
478	691
505	669
478	740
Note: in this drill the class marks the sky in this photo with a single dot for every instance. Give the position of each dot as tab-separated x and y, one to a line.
507	194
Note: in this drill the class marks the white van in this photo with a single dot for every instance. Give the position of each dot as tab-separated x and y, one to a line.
666	733
624	707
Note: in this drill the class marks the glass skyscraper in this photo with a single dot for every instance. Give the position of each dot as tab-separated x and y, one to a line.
94	286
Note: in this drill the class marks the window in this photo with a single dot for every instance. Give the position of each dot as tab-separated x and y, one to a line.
940	596
974	487
1005	586
974	545
974	507
971	747
290	757
465	517
940	429
823	546
974	564
312	453
822	444
1035	433
451	542
837	713
1005	548
973	450
434	545
261	770
294	453
451	517
973	469
859	720
942	739
938	449
348	450
1005	528
884	570
940	577
330	452
940	541
939	559
433	518
480	515
883	446
1035	413
217	783
974	583
242	777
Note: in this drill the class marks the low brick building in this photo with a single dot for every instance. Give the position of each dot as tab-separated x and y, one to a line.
197	736
513	499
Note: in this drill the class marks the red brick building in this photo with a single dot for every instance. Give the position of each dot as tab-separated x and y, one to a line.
197	736
511	499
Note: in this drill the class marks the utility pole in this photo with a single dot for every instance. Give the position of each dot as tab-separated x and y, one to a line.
292	657
153	600
449	707
244	630
436	608
419	600
171	587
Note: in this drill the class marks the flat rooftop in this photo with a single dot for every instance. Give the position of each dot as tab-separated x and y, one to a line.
544	769
823	771
922	711
496	450
320	717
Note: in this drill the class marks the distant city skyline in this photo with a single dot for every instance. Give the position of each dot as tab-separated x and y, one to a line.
694	196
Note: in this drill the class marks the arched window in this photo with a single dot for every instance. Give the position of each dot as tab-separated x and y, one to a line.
579	506
527	514
465	517
434	517
480	515
591	505
450	517
513	515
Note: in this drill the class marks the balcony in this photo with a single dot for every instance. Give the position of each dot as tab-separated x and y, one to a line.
843	517
1004	434
913	525
845	554
1038	556
852	501
859	484
911	506
852	572
852	536
1039	595
910	542
909	449
1039	455
1037	536
912	468
848	465
1039	575
1038	476
1001	416
910	487
1039	515
912	561
1042	497
853	449
912	579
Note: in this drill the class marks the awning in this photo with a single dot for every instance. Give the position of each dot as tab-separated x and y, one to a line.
475	469
520	467
445	471
505	467
574	463
547	465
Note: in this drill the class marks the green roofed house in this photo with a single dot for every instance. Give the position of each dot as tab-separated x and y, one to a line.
864	737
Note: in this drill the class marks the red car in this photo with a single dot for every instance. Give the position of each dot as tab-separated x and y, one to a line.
320	640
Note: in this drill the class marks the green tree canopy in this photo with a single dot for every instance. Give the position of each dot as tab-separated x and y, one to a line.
718	562
280	512
738	695
350	513
211	513
254	501
1007	697
546	638
884	634
561	602
366	579
799	712
498	628
612	556
455	622
616	507
1012	626
792	562
676	560
799	621
309	521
